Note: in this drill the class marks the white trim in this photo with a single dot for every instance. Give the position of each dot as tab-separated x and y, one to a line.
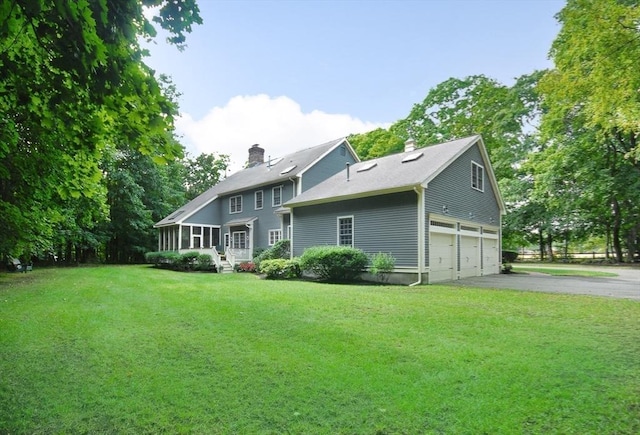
255	199
353	227
237	211
479	176
244	233
273	189
343	141
277	232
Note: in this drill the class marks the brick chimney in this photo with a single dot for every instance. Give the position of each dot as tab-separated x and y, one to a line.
256	155
409	145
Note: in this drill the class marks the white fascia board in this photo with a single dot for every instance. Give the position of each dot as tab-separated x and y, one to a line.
492	177
312	164
191	213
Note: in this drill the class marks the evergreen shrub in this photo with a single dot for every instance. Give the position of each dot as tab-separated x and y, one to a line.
281	268
281	249
334	263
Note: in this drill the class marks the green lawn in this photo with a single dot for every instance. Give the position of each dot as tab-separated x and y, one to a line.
559	271
138	350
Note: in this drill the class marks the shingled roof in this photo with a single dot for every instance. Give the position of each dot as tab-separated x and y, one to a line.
394	173
270	172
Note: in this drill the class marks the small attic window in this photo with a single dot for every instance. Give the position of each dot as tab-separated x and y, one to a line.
175	215
412	157
287	170
367	167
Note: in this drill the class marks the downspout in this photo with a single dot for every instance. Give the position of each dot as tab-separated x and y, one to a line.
293	181
420	192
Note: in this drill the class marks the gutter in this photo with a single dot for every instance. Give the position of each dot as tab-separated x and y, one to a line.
420	192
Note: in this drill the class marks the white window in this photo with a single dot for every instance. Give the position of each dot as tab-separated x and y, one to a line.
235	204
477	177
239	240
259	199
274	236
345	231
276	197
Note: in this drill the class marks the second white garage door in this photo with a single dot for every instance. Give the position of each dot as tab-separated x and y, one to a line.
469	256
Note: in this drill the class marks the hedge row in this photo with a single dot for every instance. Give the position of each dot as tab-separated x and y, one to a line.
189	261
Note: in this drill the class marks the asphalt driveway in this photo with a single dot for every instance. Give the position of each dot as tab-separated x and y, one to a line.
626	285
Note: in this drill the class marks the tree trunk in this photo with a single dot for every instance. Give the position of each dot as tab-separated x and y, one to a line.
549	246
617	223
541	244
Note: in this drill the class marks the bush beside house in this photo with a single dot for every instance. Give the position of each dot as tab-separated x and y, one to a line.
280	250
281	268
334	263
187	262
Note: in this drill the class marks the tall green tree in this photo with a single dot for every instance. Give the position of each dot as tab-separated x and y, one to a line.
203	172
592	124
596	56
376	143
72	84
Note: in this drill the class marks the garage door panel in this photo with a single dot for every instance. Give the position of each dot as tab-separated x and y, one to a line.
490	257
469	255
441	257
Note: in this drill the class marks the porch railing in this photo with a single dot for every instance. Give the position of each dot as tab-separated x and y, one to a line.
235	255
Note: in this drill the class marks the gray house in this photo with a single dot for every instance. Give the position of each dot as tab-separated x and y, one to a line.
245	210
436	209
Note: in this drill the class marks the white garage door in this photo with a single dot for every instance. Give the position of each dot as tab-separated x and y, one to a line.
441	257
490	259
469	256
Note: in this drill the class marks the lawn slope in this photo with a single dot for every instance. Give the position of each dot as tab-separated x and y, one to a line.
139	350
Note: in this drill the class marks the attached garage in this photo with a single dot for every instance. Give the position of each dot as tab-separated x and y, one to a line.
490	252
469	256
461	250
442	256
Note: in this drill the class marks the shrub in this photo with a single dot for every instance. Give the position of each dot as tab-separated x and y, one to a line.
382	264
246	266
175	261
281	249
205	263
334	263
164	259
188	260
280	268
509	256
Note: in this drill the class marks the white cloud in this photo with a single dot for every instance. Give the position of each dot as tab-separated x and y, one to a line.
277	124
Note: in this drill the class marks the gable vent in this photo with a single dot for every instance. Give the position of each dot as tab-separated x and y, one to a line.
367	167
412	157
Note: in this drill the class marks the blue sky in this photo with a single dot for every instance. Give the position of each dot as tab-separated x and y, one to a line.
293	74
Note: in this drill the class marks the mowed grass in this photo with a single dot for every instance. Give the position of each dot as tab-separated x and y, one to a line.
138	350
558	271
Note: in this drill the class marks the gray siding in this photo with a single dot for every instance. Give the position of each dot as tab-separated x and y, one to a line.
208	215
267	217
386	223
331	164
452	188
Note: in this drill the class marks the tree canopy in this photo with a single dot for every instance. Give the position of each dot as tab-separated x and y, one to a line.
74	89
